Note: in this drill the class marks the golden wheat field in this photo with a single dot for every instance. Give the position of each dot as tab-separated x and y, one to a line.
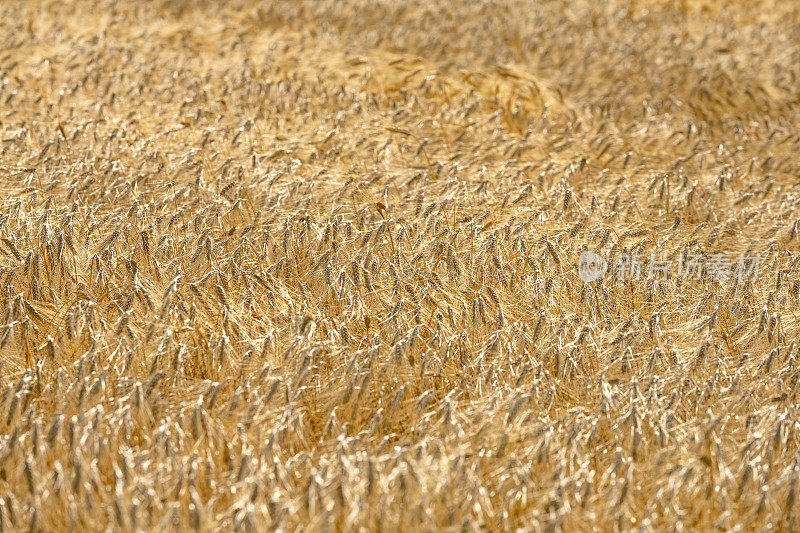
317	265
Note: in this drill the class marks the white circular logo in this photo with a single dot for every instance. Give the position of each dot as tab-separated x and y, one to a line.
591	266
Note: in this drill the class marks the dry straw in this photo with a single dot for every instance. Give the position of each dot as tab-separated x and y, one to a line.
312	265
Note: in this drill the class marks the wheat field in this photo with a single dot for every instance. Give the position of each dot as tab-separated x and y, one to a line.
298	265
